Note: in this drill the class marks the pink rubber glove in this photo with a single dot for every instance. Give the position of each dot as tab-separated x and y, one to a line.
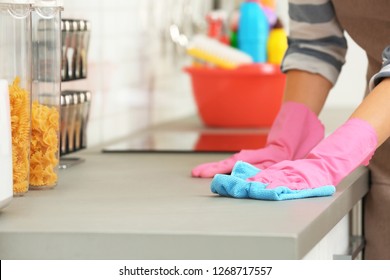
351	145
295	131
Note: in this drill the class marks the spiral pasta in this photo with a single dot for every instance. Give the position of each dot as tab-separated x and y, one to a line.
21	128
44	145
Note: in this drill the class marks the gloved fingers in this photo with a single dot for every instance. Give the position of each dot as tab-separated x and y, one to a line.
208	170
290	182
294	175
244	170
262	158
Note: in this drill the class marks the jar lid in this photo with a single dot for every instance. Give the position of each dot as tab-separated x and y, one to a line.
21	2
48	3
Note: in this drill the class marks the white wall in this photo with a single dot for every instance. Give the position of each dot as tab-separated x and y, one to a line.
135	71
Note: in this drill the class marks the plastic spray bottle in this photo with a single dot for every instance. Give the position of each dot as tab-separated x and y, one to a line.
253	30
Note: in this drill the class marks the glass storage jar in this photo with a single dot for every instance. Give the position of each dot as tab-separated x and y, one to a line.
15	68
6	184
46	93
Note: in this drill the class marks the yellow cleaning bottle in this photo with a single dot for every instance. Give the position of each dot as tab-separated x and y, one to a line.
277	44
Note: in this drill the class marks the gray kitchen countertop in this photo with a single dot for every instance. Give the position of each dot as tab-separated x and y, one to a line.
147	206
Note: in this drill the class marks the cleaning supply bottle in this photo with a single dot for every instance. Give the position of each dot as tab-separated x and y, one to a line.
216	20
233	26
271	4
277	44
253	30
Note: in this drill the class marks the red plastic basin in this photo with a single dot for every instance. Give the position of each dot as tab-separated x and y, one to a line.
249	96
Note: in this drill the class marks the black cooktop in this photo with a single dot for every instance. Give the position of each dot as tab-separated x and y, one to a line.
188	141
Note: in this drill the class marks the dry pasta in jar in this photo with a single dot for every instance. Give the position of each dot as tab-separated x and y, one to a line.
44	146
21	130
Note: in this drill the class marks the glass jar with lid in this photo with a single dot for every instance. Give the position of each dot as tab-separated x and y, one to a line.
46	93
6	184
15	68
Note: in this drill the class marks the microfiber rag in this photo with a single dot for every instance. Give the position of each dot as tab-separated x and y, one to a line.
236	186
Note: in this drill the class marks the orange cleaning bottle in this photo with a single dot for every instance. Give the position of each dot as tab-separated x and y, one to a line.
269	4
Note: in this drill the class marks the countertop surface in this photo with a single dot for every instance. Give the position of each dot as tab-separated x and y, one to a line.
146	206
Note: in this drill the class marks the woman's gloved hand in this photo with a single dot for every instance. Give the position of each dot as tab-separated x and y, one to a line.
295	131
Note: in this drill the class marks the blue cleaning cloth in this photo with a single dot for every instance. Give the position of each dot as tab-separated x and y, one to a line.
244	170
235	185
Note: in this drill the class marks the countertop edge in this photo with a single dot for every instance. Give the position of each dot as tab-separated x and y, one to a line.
102	246
355	188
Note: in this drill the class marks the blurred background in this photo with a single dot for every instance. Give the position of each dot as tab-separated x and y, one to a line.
136	60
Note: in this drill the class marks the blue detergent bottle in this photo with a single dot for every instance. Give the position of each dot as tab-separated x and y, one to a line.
253	31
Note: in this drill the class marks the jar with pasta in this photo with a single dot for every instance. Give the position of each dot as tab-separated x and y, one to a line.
15	68
46	94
